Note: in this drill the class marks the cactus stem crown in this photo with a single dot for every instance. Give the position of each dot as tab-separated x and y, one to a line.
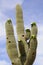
32	24
27	30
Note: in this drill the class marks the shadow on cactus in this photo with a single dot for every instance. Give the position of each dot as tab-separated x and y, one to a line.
27	41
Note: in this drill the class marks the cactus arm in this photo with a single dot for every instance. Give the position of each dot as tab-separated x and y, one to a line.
21	48
20	25
22	45
32	51
22	52
33	45
19	21
27	37
34	29
28	33
11	43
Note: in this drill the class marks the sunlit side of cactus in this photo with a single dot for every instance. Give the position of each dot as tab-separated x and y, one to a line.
11	43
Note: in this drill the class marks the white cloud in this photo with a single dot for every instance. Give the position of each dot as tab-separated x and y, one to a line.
3	62
3	19
9	4
40	40
2	50
2	30
38	60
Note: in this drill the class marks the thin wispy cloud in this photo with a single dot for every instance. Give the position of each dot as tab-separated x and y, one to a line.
3	62
9	4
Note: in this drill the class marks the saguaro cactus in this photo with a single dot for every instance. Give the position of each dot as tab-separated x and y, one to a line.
27	41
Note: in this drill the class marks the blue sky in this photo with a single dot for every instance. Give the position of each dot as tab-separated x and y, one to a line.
32	11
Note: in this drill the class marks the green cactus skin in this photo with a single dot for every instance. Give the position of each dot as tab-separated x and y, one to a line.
10	42
34	29
19	21
27	52
28	33
20	27
32	51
